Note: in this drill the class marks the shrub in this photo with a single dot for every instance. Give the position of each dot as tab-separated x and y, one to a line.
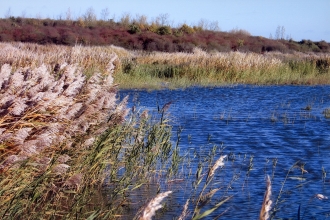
323	65
186	29
153	28
177	33
68	38
324	46
164	30
134	28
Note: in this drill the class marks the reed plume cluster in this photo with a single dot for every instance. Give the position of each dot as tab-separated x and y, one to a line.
38	110
64	135
90	59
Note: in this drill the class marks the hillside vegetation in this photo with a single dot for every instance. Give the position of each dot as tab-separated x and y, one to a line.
138	34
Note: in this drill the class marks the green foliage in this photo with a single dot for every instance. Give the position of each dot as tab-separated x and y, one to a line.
186	29
134	29
164	30
153	28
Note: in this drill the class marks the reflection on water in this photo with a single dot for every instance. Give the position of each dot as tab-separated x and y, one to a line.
263	130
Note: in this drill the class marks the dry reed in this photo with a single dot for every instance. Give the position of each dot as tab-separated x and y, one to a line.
267	202
217	164
55	103
185	211
150	210
38	110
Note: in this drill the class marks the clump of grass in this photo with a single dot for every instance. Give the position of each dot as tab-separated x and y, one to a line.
326	113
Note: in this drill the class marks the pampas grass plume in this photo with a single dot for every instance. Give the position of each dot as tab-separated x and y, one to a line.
150	210
218	163
267	203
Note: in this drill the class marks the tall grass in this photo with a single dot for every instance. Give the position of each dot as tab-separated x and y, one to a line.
154	70
202	68
65	136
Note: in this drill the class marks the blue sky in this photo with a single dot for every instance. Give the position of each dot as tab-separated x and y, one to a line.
302	19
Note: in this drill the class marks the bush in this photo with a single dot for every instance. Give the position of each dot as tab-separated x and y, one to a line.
164	30
153	28
134	28
324	46
186	29
323	65
68	38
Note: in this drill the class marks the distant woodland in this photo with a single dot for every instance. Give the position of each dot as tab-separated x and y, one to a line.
138	34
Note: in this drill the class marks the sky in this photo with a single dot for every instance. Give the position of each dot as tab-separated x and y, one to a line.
301	19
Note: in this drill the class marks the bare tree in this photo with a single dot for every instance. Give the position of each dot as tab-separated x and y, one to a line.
282	32
90	15
23	15
141	19
278	32
105	14
214	26
270	36
162	19
68	15
203	24
8	13
125	19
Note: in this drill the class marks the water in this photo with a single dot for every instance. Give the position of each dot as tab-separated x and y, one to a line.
274	126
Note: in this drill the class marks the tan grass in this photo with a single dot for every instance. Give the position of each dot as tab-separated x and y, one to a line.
267	202
219	61
185	211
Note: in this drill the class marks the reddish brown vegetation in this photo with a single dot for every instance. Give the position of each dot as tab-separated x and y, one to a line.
149	37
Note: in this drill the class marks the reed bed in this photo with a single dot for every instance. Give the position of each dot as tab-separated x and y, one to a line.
203	68
155	70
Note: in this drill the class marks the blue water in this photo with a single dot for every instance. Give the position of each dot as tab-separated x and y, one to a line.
268	125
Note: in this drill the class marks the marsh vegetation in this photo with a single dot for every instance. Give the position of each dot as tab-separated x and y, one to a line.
74	146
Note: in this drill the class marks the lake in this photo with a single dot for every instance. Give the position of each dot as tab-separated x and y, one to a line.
279	131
